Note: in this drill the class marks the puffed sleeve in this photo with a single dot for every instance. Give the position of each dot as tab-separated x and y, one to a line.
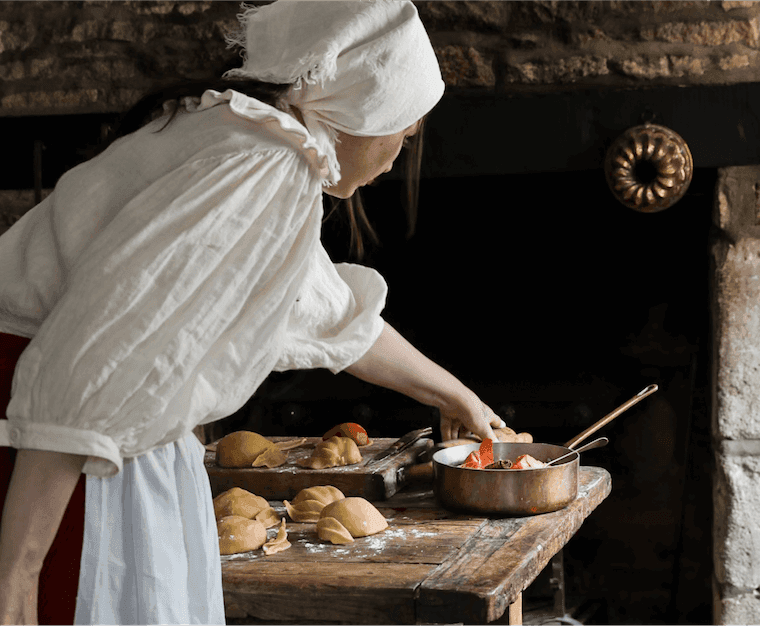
336	317
174	315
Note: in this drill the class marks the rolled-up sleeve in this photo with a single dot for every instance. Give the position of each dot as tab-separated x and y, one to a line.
336	317
174	315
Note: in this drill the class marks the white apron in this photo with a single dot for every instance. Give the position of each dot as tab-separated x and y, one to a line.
151	551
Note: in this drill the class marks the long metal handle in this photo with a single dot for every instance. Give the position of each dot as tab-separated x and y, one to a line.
597	443
646	391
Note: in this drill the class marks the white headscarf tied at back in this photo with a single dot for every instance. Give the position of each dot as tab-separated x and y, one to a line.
364	67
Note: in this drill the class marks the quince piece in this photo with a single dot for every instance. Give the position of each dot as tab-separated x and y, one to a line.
351	430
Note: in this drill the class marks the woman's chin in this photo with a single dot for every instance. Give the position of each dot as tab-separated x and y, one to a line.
339	192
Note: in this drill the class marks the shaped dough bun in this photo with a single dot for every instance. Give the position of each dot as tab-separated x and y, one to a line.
330	529
503	435
243	448
350	430
507	435
237	501
309	502
240	534
357	515
334	452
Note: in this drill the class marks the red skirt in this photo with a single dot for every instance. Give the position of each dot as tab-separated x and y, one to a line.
59	578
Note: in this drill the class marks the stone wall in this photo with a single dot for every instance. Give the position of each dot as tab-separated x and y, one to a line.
736	429
96	55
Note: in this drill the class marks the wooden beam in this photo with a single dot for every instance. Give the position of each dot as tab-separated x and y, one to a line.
489	134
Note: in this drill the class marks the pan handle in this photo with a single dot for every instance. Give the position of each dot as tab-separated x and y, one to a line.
646	391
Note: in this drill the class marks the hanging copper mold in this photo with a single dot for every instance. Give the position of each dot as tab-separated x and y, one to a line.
649	168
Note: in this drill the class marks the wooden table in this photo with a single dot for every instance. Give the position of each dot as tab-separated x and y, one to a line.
429	566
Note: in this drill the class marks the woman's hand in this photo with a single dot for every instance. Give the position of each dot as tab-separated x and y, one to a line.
18	597
478	419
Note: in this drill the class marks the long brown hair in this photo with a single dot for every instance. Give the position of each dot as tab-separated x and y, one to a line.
151	105
353	207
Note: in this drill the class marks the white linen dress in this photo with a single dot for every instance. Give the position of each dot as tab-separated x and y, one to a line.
161	282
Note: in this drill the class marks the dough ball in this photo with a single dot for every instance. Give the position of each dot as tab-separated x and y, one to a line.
241	449
309	502
507	435
240	534
334	452
351	430
330	529
237	501
357	515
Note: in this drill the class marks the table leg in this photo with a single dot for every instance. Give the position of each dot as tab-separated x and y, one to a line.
515	610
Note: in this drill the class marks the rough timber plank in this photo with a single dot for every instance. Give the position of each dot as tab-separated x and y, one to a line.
504	557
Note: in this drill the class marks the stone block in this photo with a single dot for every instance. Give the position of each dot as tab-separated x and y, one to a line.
742	608
734	62
657	6
189	8
736	493
86	31
13	70
687	65
464	66
485	15
730	5
556	11
129	30
157	7
44	67
563	70
642	67
712	33
737	330
16	35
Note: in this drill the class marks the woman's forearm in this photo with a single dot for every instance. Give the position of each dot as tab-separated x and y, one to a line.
39	492
395	364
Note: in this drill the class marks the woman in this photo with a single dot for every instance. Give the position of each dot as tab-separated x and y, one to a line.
164	279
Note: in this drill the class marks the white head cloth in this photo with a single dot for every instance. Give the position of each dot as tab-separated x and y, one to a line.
364	67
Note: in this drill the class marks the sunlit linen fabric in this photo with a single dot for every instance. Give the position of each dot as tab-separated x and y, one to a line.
151	552
366	68
159	284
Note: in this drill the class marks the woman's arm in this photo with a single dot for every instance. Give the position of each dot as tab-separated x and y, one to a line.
39	492
392	362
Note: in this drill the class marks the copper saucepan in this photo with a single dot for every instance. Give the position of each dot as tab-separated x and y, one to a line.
516	492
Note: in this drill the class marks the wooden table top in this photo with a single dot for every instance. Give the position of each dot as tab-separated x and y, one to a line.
429	566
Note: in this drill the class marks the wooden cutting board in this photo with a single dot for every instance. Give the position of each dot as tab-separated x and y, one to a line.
377	481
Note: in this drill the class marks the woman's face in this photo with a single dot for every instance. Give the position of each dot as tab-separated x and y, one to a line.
363	159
